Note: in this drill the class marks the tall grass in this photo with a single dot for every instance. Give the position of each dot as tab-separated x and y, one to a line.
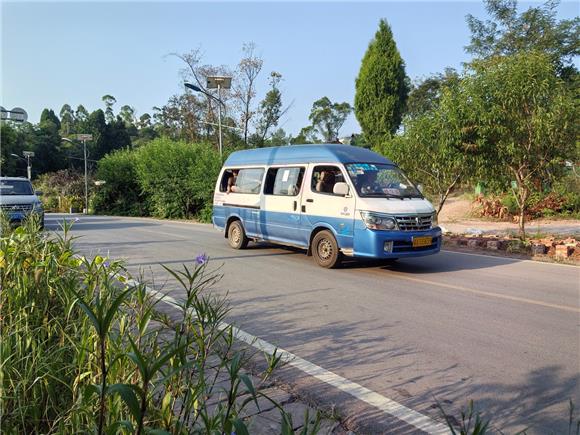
83	349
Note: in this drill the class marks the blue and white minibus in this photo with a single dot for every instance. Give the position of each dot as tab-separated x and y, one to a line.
331	200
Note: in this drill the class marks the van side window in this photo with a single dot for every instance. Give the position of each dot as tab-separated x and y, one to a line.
246	180
284	181
324	178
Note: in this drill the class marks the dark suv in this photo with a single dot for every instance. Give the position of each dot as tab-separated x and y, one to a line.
18	199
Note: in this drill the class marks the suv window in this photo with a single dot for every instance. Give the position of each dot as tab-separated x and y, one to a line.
16	187
284	181
324	178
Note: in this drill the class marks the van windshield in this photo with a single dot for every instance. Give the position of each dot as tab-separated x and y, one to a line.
381	181
15	187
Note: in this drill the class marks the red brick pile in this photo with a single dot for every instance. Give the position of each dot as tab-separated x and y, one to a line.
552	247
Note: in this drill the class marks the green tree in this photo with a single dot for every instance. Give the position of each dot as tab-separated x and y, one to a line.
244	90
437	149
109	101
509	32
81	117
270	110
13	141
67	120
49	156
127	114
327	117
526	115
381	87
307	135
426	94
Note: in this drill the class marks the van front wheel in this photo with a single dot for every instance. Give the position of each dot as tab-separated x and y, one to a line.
237	236
325	250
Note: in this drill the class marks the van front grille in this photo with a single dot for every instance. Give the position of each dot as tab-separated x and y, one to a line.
16	207
418	222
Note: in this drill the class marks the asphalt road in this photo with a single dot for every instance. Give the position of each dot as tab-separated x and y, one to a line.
447	328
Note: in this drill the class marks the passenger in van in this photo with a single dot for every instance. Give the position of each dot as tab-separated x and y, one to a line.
326	182
232	181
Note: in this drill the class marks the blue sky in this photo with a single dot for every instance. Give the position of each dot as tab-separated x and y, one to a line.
76	52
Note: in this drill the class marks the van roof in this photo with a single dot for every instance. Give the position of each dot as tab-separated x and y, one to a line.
323	153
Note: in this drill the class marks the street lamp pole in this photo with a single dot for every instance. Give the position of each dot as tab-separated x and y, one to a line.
27	155
220	119
219	83
86	177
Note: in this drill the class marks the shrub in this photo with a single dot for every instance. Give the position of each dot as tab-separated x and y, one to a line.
63	190
121	194
178	177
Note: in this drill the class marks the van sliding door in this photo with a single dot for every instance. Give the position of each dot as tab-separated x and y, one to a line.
280	216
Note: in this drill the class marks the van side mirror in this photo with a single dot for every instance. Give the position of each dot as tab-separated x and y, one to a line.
38	192
420	187
340	189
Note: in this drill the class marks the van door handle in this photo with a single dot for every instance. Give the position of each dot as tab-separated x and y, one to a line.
295	205
309	200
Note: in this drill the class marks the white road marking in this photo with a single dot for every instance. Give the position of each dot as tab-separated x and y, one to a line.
383	403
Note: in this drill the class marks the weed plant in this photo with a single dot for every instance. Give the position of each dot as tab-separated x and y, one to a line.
83	349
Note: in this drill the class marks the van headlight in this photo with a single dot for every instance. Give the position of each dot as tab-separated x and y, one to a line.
434	220
375	221
37	206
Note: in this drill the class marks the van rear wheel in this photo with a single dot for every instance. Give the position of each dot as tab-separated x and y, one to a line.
237	236
325	250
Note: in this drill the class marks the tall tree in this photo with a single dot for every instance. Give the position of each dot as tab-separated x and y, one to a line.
197	73
109	101
245	88
48	153
270	110
425	95
527	116
381	87
67	120
536	28
81	118
327	117
127	114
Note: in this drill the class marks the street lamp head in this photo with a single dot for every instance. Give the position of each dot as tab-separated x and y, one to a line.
14	155
193	87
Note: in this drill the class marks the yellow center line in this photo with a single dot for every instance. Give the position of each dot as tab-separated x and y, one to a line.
484	293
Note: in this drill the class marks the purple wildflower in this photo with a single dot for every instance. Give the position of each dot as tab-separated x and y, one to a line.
201	259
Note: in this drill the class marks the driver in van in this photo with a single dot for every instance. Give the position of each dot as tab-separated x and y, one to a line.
369	183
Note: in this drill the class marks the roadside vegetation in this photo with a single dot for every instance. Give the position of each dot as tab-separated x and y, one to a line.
85	349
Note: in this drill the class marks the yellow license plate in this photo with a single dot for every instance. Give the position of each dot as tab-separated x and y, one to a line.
422	241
